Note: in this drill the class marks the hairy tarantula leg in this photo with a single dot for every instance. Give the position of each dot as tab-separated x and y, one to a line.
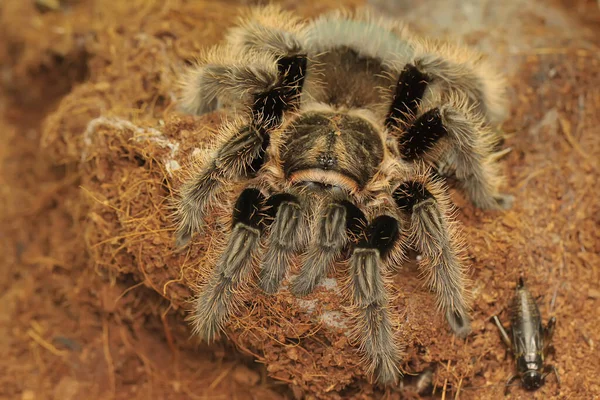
469	152
548	334
219	298
277	33
431	235
338	219
270	106
220	78
269	29
263	83
461	71
243	154
285	239
373	327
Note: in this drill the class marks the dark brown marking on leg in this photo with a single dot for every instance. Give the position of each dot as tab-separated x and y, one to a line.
422	135
407	97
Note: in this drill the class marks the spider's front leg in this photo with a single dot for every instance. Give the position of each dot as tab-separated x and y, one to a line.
432	235
280	214
218	298
271	88
373	327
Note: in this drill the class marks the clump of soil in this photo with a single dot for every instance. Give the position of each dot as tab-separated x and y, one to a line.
93	150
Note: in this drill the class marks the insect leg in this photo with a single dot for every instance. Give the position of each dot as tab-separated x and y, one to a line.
548	334
508	383
549	330
548	369
503	334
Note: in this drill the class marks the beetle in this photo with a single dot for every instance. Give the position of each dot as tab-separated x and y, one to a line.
530	342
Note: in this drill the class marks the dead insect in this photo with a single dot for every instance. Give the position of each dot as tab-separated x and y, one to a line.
530	339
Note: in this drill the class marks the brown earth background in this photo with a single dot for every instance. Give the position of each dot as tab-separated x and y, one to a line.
93	298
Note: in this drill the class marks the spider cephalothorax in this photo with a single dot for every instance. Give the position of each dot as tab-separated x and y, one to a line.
337	123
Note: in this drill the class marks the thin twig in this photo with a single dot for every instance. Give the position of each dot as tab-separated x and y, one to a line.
45	344
109	361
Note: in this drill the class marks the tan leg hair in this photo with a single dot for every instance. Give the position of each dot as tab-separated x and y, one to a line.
329	239
367	34
378	247
431	232
469	153
286	237
268	29
373	327
219	78
442	267
462	71
230	162
451	136
273	16
220	297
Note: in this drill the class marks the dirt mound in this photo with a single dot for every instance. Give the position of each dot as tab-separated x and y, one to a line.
97	294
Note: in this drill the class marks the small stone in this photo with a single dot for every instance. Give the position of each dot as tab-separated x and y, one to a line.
28	395
245	376
487	298
48	5
292	353
593	293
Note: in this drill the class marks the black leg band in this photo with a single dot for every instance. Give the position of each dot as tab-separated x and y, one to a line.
269	106
381	234
409	92
422	135
249	209
410	193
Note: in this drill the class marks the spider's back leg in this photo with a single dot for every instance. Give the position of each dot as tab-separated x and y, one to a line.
457	70
451	132
269	30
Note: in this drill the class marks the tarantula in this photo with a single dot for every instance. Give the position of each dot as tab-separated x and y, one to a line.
338	124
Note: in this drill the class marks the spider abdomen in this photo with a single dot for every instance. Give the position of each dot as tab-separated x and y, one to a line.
336	68
331	148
